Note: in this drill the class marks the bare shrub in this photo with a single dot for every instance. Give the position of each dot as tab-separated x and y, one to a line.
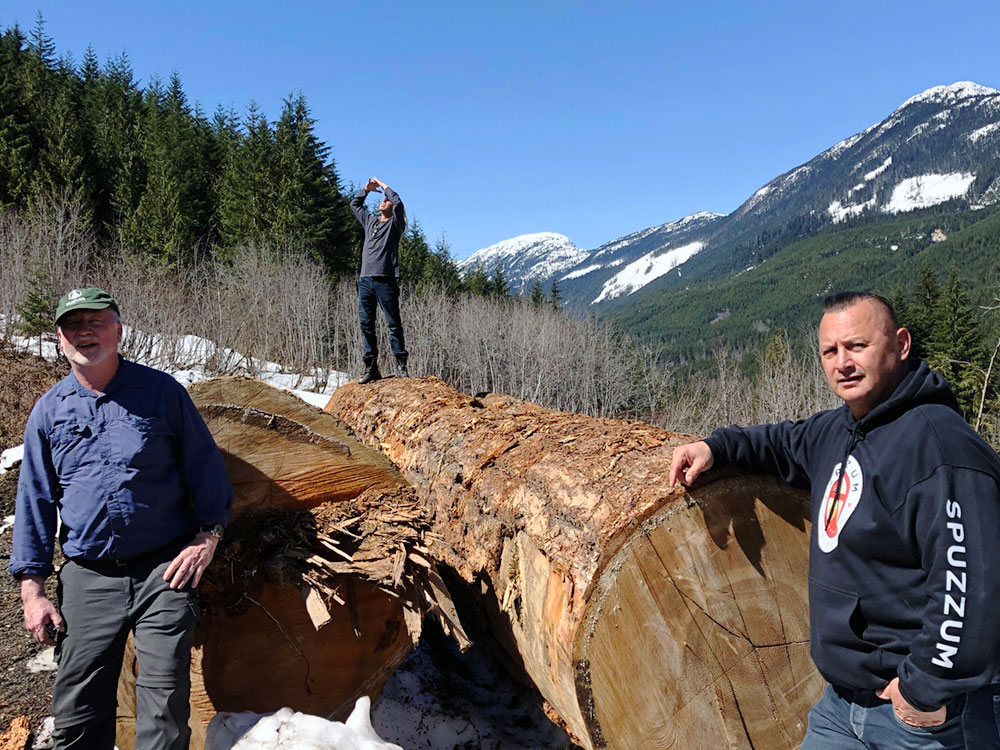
53	240
268	304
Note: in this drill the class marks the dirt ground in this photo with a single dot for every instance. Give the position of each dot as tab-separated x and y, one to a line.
23	378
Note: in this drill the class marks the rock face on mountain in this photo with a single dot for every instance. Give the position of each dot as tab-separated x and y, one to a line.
940	146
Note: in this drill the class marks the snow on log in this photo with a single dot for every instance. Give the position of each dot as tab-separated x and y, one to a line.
646	616
316	593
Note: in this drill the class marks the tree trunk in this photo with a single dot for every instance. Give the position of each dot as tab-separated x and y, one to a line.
300	606
646	616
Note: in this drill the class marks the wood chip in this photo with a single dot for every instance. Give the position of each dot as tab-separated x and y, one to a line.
315	608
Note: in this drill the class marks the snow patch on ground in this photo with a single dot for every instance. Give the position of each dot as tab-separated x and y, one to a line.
581	272
184	358
795	176
984	131
671	226
878	170
289	730
7	523
928	190
480	707
839	212
10	457
43	661
649	267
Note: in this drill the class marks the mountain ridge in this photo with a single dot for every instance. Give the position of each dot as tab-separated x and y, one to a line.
940	146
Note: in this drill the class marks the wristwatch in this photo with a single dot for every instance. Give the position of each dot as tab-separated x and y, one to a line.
215	529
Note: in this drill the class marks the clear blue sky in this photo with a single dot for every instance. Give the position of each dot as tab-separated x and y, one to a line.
592	119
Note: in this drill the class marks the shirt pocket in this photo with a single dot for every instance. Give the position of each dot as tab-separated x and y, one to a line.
141	442
72	447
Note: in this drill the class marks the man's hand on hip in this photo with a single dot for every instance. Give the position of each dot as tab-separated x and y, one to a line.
191	561
41	617
907	713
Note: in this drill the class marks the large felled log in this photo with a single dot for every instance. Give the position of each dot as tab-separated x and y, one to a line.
647	616
309	602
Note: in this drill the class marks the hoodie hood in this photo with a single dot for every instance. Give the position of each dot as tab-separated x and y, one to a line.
920	386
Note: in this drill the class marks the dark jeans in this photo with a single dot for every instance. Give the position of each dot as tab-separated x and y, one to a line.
100	605
385	291
860	720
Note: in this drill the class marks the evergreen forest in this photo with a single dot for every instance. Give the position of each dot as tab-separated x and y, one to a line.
152	172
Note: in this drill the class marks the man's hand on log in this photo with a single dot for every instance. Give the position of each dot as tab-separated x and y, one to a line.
191	561
689	461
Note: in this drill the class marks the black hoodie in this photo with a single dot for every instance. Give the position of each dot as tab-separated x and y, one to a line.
904	572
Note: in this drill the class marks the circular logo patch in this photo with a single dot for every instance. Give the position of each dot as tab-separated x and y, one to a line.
839	501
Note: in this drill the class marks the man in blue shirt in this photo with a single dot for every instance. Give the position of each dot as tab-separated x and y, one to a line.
119	452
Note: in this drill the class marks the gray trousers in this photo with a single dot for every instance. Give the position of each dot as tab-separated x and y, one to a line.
100	604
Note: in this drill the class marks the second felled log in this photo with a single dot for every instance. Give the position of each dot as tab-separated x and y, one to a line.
646	616
313	598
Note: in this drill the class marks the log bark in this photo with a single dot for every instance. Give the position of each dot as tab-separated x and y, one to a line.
305	604
645	615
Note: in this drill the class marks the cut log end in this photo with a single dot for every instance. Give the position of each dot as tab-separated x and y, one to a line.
311	600
702	639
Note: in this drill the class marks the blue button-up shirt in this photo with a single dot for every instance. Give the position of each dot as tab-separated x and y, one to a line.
128	470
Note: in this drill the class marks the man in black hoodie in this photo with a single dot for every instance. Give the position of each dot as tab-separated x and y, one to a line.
379	278
904	574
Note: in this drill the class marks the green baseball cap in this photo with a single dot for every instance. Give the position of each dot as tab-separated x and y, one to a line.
89	298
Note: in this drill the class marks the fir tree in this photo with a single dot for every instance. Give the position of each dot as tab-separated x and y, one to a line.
17	156
921	311
955	345
499	286
537	295
116	106
414	253
309	209
440	271
247	185
477	282
37	311
554	295
41	44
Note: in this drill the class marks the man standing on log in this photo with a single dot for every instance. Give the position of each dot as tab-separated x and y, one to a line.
380	275
121	455
904	593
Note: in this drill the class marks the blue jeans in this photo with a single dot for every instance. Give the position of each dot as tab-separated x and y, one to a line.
385	291
860	720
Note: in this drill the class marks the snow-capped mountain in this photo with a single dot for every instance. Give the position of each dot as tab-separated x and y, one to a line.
939	146
623	266
522	259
